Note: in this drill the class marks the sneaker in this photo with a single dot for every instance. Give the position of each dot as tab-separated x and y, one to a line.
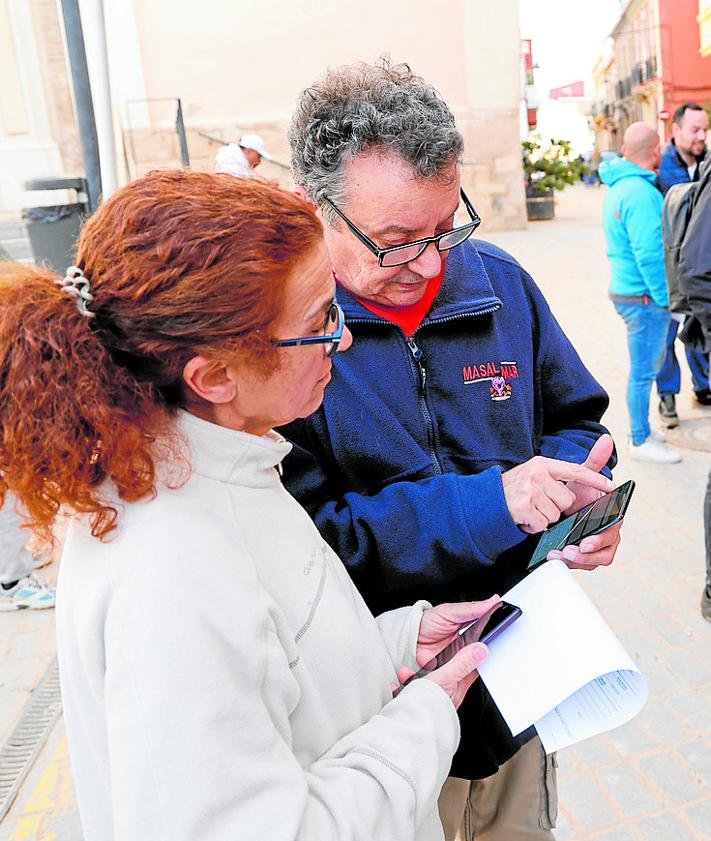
29	592
703	398
706	605
667	411
655	435
654	451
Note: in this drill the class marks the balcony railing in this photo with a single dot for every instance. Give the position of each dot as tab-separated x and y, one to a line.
644	72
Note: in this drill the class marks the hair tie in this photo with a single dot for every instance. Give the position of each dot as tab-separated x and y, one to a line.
74	283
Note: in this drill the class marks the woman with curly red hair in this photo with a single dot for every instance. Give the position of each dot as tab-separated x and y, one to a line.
221	676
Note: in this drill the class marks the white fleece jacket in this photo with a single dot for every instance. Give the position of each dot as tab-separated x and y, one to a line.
223	680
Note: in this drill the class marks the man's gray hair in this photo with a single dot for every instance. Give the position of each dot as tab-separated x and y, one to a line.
363	107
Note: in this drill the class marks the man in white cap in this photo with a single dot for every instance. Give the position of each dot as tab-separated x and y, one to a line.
241	159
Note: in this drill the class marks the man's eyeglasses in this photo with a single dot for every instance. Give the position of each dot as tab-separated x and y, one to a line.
399	255
330	337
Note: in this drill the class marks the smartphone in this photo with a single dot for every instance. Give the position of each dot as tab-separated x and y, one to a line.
591	519
484	629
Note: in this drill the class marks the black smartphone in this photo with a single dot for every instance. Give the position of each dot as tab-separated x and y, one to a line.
591	519
484	629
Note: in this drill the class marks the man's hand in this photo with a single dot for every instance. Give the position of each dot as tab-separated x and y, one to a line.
597	458
536	492
598	549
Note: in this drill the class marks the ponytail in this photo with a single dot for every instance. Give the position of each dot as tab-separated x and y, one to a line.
178	263
69	416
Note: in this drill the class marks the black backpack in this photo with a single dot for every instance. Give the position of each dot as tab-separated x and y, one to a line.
676	214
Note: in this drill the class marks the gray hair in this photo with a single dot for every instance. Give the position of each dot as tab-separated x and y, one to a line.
361	107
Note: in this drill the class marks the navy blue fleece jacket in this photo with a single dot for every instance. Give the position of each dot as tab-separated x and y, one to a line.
401	466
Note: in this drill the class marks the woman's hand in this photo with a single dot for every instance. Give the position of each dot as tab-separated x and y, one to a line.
440	624
438	628
458	674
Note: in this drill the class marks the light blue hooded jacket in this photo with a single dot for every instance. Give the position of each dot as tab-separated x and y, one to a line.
632	218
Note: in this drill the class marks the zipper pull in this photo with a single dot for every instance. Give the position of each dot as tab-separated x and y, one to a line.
418	356
414	350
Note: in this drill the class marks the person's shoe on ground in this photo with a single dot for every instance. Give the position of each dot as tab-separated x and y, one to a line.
653	451
658	435
667	411
703	398
706	605
27	593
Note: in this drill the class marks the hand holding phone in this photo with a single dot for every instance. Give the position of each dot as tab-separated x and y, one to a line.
484	629
591	519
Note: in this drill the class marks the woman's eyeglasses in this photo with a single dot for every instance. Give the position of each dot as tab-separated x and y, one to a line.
331	336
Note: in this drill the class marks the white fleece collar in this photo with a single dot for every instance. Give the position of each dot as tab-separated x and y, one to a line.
227	455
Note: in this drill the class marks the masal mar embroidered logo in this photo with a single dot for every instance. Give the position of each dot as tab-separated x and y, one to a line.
496	374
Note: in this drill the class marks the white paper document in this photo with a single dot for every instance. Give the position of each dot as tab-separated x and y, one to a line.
559	666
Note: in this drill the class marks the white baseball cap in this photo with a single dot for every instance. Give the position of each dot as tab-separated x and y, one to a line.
255	142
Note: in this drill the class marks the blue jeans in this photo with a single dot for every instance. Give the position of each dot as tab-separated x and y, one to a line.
669	376
647	326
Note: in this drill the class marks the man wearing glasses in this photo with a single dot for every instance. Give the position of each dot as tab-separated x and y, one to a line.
460	422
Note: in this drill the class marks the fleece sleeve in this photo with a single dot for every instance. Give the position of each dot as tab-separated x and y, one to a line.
399	630
641	212
198	698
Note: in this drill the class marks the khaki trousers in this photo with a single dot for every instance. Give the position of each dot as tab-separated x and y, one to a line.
517	803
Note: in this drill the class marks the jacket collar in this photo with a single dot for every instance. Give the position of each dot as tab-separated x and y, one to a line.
227	455
465	290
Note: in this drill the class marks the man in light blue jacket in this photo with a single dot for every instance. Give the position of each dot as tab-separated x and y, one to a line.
638	289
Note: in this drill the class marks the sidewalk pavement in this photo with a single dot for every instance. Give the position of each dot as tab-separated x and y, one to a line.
646	781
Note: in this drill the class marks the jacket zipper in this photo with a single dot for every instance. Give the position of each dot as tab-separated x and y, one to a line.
418	356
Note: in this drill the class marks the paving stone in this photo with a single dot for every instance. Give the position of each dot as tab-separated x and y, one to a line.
670	777
690	670
624	833
563	829
23	645
699	816
631	739
666	827
662	683
594	753
628	789
697	756
694	706
664	724
676	635
587	802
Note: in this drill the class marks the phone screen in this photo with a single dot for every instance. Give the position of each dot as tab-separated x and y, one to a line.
591	519
484	629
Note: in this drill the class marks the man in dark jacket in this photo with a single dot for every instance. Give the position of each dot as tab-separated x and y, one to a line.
695	283
448	434
681	164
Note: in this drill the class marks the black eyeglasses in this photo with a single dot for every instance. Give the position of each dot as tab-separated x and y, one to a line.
331	336
399	255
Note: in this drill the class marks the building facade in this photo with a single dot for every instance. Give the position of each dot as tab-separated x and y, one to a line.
38	134
705	27
237	66
653	62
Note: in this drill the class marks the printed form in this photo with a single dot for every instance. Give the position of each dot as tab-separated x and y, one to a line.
559	666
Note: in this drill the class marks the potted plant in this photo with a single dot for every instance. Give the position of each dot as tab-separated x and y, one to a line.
546	169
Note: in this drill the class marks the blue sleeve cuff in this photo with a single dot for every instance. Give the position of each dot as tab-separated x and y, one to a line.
484	510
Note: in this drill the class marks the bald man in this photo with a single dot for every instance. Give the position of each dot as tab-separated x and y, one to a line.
632	218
